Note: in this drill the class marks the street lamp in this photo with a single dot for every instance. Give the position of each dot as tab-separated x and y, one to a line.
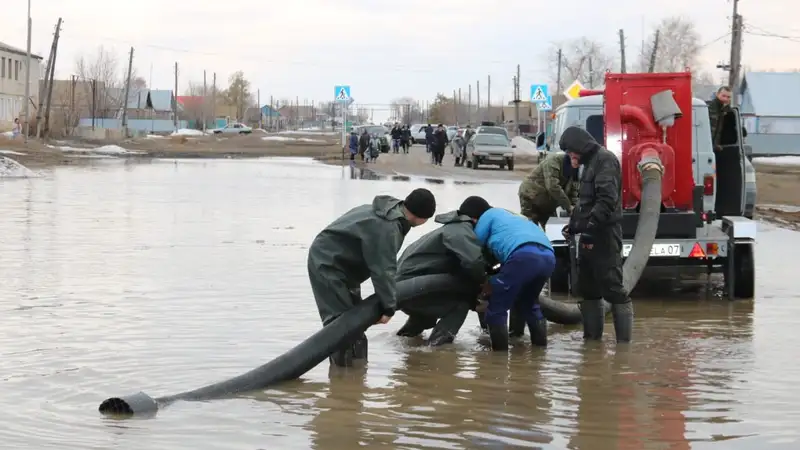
28	77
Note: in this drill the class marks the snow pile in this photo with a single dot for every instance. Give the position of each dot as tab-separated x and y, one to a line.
104	150
524	146
11	152
7	134
286	139
155	136
12	169
778	161
187	132
317	131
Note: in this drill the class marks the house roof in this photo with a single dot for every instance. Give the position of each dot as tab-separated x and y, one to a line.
159	100
268	111
15	50
190	100
775	94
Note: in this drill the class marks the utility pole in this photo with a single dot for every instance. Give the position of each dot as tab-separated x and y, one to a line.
489	96
205	96
260	112
43	91
478	107
654	53
127	93
469	105
736	52
297	112
591	73
52	74
271	113
28	77
175	99
516	99
558	72
622	66
214	98
455	108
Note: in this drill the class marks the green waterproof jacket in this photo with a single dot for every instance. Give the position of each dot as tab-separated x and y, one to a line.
452	248
548	187
716	115
361	244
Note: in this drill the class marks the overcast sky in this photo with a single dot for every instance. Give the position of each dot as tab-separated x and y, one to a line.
383	49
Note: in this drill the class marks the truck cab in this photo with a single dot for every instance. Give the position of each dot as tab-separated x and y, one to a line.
722	212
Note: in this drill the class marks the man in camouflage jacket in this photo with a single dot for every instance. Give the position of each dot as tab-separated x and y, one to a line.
718	108
553	183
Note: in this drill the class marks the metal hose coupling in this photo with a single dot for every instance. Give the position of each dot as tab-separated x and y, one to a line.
650	163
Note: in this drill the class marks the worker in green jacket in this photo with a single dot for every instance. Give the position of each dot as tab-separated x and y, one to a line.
553	183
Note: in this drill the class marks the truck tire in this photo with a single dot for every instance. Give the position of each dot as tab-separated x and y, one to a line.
510	163
744	272
559	281
474	163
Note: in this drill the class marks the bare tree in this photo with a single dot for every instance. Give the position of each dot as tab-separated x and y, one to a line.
582	59
238	94
104	73
406	109
678	46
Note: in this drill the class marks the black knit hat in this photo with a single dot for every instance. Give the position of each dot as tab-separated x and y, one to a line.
421	203
474	207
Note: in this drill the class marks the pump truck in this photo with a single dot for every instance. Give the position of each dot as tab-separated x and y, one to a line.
700	222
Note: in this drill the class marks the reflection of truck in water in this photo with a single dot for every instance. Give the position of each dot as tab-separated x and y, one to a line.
710	226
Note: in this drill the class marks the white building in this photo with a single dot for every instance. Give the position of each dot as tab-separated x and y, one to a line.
12	84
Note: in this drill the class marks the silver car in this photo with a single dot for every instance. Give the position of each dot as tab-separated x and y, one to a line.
490	149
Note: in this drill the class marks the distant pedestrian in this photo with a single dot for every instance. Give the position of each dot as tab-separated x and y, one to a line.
17	129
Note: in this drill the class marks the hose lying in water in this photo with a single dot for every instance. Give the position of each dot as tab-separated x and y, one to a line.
643	239
298	360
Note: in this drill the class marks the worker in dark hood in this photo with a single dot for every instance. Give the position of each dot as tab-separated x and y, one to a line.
598	220
451	249
361	244
552	184
527	261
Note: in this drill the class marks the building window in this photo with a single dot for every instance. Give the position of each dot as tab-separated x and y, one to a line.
3	68
16	70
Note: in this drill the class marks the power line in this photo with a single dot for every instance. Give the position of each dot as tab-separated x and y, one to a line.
758	31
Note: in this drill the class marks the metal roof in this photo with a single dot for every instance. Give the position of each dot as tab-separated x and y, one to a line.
15	50
158	99
773	94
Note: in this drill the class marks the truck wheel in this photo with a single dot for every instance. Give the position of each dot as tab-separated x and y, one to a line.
744	271
474	163
510	162
502	167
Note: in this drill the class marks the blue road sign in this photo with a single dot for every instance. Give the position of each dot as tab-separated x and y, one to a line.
539	93
545	105
341	93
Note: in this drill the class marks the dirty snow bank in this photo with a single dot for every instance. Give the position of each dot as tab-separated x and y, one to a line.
287	139
104	150
11	152
7	134
524	146
778	160
311	131
187	132
12	169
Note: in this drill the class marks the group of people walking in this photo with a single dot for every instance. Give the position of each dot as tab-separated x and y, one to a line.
364	242
401	138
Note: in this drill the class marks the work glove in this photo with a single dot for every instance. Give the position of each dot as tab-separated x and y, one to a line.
566	232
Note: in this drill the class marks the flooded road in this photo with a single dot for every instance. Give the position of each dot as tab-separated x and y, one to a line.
164	276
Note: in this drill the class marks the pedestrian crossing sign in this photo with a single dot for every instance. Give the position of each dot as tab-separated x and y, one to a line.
341	93
539	93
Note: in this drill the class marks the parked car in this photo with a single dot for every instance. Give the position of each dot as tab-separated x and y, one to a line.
492	130
451	132
234	128
377	130
490	149
418	133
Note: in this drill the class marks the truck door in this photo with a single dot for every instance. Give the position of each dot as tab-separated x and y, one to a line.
730	191
742	159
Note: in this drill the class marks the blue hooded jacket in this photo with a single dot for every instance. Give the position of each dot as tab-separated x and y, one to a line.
502	232
353	143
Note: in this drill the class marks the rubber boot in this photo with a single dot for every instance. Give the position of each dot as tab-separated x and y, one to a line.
360	348
498	335
623	321
415	325
538	330
440	337
593	318
482	322
516	324
343	357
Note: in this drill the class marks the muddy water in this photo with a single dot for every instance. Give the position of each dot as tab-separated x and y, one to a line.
166	276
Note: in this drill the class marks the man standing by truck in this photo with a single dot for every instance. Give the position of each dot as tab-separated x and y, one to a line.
552	184
598	220
724	137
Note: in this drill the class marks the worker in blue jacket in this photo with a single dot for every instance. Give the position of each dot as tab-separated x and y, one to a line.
527	261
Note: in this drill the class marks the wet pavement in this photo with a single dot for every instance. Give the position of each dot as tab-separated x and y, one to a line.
163	276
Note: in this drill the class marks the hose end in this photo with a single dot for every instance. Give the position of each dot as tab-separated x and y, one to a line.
650	163
139	404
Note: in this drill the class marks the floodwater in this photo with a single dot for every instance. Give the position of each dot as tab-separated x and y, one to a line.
164	276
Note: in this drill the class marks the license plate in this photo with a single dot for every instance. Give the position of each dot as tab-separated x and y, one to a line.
656	250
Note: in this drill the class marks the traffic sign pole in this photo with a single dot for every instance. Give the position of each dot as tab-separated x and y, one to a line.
341	94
